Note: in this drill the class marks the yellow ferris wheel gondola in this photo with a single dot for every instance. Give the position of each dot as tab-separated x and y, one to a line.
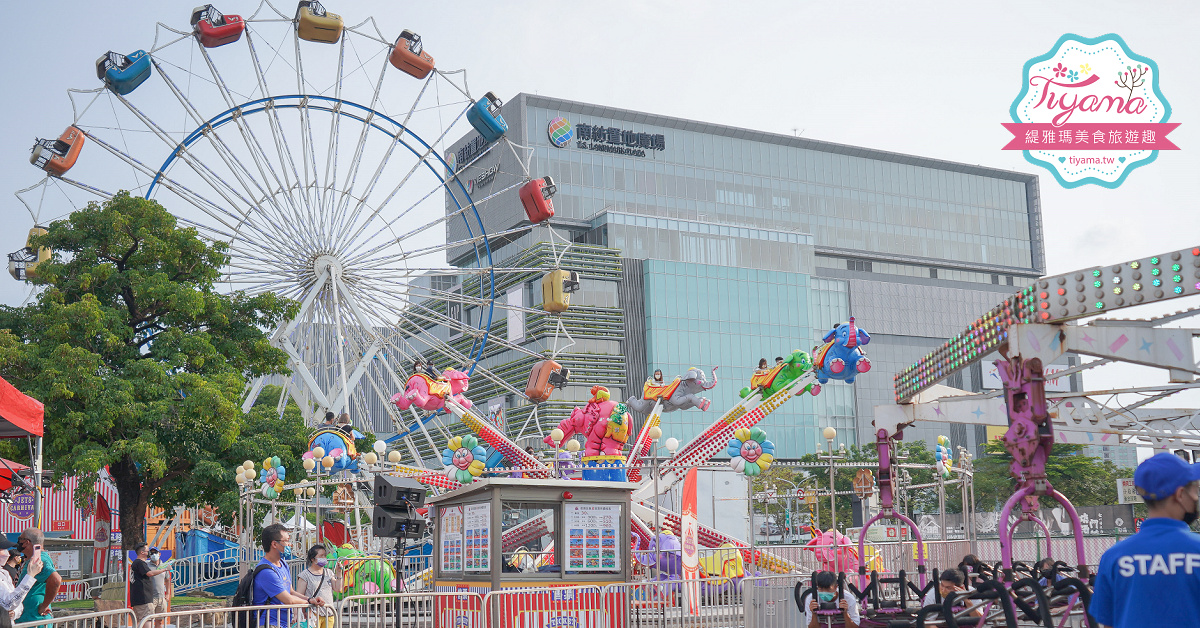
22	264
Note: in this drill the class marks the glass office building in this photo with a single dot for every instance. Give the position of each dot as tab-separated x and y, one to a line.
736	245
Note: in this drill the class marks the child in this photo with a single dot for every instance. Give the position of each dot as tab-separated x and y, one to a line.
826	592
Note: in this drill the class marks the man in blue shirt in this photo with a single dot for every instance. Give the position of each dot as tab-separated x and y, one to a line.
1153	577
274	584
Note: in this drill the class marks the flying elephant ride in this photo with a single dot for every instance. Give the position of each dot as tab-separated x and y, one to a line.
426	393
774	379
681	394
842	357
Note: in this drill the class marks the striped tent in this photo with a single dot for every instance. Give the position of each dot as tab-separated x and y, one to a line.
61	517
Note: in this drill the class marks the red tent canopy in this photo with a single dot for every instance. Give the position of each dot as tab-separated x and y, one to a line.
22	415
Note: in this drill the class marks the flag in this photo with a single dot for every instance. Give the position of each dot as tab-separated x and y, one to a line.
102	537
691	551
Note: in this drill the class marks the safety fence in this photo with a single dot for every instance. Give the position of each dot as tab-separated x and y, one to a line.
753	602
119	618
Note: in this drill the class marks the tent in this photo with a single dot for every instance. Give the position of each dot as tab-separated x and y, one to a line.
22	416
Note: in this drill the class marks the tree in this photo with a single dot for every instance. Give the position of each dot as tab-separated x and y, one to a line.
817	478
139	361
1083	479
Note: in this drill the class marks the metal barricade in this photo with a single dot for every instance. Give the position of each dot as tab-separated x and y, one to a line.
204	570
218	617
770	602
119	618
412	610
664	603
571	606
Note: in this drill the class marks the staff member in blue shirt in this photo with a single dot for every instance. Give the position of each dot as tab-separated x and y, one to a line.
1153	577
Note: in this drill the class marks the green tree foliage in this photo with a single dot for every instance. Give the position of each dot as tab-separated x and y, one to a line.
139	361
1083	479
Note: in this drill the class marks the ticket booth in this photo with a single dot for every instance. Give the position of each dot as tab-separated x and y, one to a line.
508	535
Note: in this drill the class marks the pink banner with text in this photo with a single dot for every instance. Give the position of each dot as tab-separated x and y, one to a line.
1091	136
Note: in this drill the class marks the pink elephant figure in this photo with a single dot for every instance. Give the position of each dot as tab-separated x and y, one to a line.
608	437
843	558
427	393
588	420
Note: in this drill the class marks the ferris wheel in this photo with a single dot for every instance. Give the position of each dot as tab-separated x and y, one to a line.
315	150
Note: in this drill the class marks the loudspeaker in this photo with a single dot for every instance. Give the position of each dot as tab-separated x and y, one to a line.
395	492
393	523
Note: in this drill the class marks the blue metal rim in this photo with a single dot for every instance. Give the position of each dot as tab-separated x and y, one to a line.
335	105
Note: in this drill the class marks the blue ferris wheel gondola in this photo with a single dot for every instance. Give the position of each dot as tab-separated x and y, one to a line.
485	116
123	73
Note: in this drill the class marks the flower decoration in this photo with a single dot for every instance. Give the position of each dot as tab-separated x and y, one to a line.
750	452
1060	70
464	459
1086	68
1072	75
945	459
272	477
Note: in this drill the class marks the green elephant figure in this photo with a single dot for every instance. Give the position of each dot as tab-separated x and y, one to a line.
364	574
771	381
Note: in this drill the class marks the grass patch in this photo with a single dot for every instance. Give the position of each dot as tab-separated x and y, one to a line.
73	605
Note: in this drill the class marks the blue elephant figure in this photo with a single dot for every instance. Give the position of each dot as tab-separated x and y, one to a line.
842	357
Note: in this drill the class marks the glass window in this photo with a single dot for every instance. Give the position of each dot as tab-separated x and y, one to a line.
528	531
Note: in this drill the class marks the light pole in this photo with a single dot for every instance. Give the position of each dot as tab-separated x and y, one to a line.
829	433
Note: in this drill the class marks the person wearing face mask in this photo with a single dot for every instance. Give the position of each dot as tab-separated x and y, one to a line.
827	592
11	597
1153	577
13	566
951	581
319	581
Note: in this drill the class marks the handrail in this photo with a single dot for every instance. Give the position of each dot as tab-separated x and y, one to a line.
86	619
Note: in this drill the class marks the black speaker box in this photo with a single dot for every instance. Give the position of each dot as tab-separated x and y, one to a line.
396	492
396	523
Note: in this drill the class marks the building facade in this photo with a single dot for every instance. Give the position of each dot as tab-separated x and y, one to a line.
735	245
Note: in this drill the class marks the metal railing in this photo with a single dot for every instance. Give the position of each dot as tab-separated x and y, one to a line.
205	570
119	618
218	617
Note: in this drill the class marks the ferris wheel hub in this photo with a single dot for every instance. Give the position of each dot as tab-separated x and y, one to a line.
329	263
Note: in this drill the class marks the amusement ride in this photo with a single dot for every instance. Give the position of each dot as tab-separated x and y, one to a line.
316	150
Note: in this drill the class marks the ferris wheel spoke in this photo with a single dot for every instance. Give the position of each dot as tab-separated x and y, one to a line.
307	147
285	160
213	210
85	187
421	161
253	145
219	146
218	184
356	159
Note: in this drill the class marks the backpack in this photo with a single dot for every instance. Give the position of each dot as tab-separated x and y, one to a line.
245	597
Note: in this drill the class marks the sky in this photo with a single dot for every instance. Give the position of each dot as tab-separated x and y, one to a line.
933	79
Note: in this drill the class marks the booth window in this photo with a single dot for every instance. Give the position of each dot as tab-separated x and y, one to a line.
528	532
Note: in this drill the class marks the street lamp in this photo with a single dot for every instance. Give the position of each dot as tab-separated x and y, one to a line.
829	433
655	434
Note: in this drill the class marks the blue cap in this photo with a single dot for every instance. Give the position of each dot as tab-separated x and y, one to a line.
1162	474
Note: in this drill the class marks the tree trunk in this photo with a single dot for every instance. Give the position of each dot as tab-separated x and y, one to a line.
133	504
